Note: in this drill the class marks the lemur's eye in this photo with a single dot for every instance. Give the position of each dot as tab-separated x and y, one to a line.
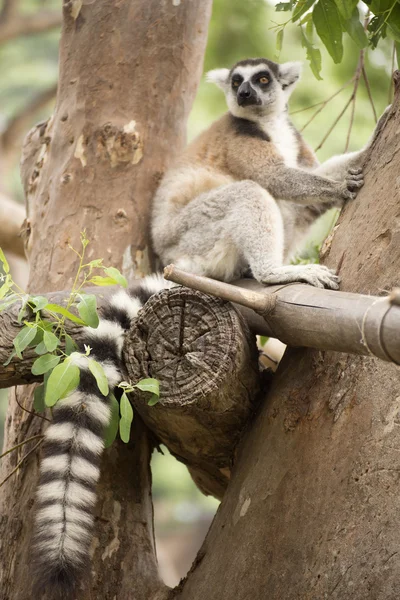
235	83
263	80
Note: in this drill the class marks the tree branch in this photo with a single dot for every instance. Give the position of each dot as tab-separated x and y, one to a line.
17	126
28	25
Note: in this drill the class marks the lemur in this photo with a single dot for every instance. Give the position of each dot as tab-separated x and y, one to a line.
243	193
72	450
238	197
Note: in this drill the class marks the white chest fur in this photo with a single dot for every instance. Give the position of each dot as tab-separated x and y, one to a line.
283	137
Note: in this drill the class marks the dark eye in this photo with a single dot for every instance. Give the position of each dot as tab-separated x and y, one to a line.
264	80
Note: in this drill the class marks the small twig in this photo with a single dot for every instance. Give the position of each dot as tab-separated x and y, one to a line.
261	303
20	463
368	87
31	412
391	83
354	97
34	437
325	102
336	121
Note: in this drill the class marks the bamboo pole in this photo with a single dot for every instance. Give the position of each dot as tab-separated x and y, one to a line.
302	315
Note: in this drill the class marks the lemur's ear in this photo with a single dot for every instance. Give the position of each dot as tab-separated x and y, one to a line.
289	74
219	77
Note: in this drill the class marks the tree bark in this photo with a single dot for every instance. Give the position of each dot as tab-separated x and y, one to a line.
312	507
95	165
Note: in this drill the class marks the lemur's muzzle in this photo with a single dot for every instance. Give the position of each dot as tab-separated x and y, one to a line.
246	95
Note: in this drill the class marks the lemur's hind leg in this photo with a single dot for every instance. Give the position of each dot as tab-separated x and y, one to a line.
235	226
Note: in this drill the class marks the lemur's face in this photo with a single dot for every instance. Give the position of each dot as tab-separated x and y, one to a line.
257	87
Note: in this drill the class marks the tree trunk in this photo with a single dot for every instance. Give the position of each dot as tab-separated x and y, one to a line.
95	165
312	508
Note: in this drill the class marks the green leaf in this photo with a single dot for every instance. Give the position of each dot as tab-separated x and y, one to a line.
115	274
9	359
355	29
125	429
70	345
87	309
60	310
283	6
301	7
40	302
38	398
50	340
102	281
6	287
24	337
153	400
112	427
126	418
98	373
329	28
346	7
40	348
149	385
96	263
63	380
126	407
279	42
313	56
393	23
22	311
3	260
45	363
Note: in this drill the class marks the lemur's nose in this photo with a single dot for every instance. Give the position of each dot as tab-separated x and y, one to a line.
245	90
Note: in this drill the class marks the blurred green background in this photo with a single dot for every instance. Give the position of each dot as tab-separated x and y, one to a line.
238	29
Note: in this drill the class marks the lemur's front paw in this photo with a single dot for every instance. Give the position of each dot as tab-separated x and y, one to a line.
355	179
353	182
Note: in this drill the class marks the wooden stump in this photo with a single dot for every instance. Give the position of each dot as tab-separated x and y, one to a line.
205	358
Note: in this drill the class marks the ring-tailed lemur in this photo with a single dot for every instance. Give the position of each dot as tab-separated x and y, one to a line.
72	451
246	189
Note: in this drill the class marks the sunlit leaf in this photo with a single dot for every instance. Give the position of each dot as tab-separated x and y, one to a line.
115	274
45	363
98	373
87	309
63	380
50	340
40	302
149	385
102	281
153	400
24	337
60	310
3	260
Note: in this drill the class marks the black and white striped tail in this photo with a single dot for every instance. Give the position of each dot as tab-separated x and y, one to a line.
72	452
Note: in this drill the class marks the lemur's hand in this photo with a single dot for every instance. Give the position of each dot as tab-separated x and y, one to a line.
353	182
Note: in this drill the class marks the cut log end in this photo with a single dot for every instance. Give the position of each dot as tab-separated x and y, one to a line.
205	358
